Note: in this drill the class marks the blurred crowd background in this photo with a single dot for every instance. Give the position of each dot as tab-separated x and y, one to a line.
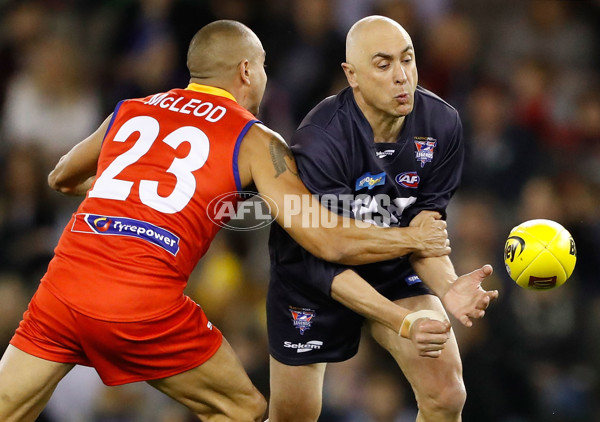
525	78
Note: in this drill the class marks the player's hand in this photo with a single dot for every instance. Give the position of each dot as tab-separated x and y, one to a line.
466	298
430	236
430	336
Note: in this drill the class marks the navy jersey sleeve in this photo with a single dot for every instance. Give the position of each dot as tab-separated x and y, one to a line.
444	178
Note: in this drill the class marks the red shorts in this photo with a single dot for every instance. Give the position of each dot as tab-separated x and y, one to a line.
121	352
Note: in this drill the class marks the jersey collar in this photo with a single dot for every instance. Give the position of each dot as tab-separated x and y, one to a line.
213	90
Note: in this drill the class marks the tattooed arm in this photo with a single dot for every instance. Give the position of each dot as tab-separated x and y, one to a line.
266	160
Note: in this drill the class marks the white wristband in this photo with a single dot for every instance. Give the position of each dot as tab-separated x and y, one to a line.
413	316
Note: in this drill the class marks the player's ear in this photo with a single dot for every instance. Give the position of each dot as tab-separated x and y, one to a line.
350	72
244	71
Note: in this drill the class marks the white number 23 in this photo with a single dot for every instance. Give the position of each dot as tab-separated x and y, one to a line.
107	185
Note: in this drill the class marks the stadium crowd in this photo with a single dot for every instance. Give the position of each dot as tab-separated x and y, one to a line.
525	77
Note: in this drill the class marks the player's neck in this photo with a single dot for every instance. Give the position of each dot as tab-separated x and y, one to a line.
385	127
388	131
217	83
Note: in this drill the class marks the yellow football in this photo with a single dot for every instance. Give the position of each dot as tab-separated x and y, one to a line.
540	254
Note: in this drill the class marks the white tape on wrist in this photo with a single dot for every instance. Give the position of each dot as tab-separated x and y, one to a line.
413	316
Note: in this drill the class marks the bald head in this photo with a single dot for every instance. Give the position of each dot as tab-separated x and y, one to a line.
365	35
217	49
382	72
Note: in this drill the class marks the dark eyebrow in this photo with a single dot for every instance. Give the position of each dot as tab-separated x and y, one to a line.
387	56
384	56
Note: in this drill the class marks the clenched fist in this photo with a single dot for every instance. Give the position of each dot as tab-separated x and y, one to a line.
430	236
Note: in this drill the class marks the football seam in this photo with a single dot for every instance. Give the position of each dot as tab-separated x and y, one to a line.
531	261
542	250
546	247
542	242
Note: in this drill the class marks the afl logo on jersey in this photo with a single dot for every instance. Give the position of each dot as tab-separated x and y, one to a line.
408	179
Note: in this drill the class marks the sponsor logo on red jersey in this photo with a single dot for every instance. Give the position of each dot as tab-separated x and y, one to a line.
122	226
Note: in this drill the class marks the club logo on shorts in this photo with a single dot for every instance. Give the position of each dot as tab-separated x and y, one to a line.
302	318
122	226
425	147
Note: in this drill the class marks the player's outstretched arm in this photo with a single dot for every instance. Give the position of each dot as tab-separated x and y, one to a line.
266	160
427	330
75	171
462	296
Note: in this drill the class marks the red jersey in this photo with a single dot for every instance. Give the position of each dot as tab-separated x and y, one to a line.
128	251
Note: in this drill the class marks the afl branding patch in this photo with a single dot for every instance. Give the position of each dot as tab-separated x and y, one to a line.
409	179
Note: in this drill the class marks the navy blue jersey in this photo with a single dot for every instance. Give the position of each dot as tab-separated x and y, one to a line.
384	183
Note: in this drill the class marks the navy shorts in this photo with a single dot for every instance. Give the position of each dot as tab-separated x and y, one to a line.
306	326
